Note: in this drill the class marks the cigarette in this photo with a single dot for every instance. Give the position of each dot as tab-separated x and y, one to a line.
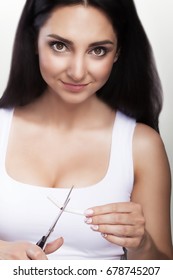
67	209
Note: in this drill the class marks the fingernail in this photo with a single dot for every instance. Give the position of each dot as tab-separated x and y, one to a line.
88	212
104	235
88	220
94	227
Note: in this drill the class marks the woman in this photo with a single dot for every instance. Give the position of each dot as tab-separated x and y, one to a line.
81	108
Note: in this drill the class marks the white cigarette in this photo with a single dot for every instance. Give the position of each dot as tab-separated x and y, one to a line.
69	210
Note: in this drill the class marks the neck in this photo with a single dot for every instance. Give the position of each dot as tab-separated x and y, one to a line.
56	112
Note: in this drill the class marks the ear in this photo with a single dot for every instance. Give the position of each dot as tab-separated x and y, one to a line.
116	56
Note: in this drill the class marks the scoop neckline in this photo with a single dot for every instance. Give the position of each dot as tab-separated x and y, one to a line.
12	180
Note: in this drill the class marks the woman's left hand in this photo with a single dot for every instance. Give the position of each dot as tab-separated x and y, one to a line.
120	223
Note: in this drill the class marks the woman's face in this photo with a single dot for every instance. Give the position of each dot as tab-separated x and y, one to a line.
77	48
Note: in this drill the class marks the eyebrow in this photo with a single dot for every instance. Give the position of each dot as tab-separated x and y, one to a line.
68	42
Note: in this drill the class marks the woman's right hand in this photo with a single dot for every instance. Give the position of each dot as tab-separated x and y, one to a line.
27	251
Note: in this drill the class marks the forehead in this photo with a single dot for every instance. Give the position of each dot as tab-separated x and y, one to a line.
79	21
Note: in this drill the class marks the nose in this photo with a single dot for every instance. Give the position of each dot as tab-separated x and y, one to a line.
77	68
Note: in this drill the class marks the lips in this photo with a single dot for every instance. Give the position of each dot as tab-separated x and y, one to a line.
74	87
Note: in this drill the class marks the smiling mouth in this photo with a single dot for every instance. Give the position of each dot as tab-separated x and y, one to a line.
74	87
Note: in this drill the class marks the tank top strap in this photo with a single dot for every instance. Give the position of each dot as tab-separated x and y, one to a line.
121	157
122	135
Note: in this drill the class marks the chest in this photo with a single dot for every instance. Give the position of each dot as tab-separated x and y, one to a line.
58	158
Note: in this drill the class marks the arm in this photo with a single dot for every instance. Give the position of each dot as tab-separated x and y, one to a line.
152	190
142	225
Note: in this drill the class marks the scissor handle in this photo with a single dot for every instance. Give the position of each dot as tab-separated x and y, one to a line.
41	243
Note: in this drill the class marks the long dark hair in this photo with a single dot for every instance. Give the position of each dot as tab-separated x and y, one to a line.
133	86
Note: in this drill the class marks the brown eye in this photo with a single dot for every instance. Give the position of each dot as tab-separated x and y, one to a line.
58	46
99	51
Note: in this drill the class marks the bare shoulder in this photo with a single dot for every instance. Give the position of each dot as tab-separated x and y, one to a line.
151	165
147	137
148	148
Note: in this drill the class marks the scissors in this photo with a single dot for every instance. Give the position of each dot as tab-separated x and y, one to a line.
42	242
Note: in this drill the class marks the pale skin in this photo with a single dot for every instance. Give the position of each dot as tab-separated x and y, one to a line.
75	65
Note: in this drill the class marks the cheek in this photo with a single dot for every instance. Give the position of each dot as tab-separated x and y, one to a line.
47	65
103	70
50	65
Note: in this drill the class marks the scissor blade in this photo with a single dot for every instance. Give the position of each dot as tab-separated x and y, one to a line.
61	211
59	215
67	198
42	242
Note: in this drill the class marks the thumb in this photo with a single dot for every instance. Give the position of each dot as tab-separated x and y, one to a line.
54	245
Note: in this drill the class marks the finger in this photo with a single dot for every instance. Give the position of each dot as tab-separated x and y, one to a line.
133	219
111	219
123	207
119	231
126	242
35	253
54	245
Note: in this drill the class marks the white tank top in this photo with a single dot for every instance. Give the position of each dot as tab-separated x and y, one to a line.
26	213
